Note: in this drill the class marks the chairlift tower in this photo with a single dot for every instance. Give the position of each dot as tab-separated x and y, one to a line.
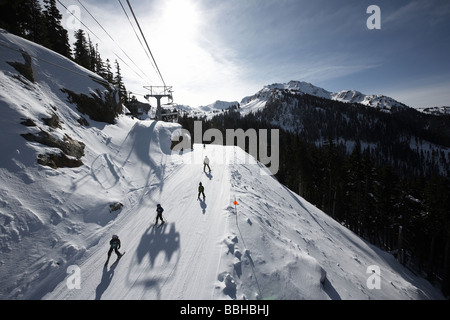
159	92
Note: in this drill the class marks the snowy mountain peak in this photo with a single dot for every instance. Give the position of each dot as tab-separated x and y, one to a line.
257	101
375	100
218	106
348	95
444	110
299	87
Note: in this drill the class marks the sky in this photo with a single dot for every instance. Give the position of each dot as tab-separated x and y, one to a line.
210	50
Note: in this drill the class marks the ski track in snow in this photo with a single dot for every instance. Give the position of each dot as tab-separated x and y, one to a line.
174	261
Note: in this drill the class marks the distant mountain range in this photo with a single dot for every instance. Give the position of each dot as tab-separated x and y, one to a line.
409	139
348	96
436	110
258	100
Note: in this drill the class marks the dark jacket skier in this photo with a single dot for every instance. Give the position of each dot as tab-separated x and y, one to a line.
114	245
159	211
201	190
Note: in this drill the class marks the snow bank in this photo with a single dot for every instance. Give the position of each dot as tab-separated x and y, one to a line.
299	252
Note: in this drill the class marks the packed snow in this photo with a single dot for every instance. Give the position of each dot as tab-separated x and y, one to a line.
251	238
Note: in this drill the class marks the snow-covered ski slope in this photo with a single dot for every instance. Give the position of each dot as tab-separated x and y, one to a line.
179	260
277	246
271	245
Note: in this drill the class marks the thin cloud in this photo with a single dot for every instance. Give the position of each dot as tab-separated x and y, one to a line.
423	93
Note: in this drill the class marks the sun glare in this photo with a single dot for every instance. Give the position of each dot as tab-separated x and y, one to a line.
179	26
180	20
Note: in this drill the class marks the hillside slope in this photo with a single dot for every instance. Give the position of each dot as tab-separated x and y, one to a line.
278	246
271	245
176	261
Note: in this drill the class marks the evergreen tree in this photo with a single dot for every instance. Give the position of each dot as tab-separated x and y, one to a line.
92	55
58	39
35	29
332	166
81	50
100	68
9	16
118	83
109	73
23	18
354	187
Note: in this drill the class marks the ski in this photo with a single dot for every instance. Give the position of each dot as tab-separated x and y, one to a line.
160	225
117	260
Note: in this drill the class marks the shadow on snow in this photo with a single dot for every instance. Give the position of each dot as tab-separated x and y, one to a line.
156	240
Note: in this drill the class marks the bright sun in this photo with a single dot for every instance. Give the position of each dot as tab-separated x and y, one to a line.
181	20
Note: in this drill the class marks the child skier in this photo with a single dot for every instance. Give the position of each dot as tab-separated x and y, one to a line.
201	190
114	245
159	211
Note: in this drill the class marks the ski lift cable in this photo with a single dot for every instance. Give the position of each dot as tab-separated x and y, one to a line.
99	39
111	38
79	20
137	36
92	16
145	40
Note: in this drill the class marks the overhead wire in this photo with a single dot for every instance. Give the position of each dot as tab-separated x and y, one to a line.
111	37
145	40
134	30
89	29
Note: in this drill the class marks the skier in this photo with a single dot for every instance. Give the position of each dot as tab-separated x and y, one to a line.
201	190
115	245
159	211
206	163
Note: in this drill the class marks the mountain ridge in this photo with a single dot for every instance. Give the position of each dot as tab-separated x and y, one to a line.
378	101
255	102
